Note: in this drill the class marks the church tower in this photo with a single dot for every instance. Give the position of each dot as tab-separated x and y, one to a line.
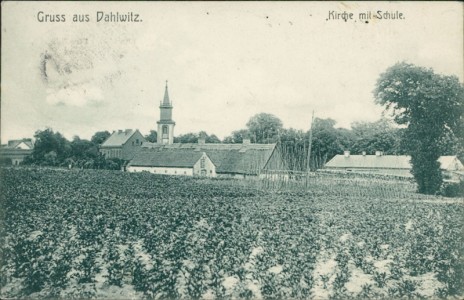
165	123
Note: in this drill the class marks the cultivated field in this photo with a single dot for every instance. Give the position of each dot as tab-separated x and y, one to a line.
108	234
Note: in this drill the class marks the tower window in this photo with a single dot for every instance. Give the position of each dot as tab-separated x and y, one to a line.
165	129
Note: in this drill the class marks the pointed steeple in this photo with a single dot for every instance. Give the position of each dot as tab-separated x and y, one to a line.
166	95
166	123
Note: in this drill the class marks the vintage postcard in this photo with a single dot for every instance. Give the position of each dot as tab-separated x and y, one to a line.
232	150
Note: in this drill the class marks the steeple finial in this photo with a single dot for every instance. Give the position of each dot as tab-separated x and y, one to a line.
166	95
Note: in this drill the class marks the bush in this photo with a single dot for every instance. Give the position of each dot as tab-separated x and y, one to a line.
5	161
453	189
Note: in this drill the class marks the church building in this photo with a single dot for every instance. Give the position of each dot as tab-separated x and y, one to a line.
202	159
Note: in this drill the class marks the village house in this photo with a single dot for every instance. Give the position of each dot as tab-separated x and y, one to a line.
220	160
396	165
184	162
16	151
229	160
122	144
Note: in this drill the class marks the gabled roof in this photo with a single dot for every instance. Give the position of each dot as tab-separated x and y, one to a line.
119	138
228	158
379	162
16	144
450	162
152	157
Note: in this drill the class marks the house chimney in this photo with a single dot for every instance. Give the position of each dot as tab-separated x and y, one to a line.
120	131
346	153
202	139
378	153
364	153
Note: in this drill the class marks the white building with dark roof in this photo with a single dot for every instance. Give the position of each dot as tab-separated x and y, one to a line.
396	165
229	160
185	162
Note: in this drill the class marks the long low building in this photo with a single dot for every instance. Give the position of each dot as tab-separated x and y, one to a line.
229	160
396	165
187	162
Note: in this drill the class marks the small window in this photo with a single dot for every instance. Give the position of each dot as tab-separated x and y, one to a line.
185	172
165	171
210	171
137	141
202	162
175	172
132	143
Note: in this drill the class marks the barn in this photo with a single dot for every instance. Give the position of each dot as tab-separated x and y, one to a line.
227	160
396	165
184	162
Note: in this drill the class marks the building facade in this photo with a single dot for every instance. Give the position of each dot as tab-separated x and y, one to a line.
16	151
229	160
394	165
185	162
122	144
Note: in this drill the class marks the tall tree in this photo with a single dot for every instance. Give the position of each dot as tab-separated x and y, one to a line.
432	107
376	136
264	128
81	149
50	147
327	141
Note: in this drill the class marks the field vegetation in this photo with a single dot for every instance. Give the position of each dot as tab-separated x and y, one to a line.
109	234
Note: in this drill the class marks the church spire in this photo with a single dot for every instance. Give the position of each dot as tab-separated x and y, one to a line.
166	123
166	95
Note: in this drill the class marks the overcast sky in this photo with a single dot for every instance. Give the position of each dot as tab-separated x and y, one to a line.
225	62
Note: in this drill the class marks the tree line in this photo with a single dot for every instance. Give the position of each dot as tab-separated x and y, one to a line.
426	121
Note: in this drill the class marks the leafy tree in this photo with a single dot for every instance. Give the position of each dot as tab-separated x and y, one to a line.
193	138
328	141
152	137
236	136
99	137
186	138
432	107
264	128
52	144
376	136
83	148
